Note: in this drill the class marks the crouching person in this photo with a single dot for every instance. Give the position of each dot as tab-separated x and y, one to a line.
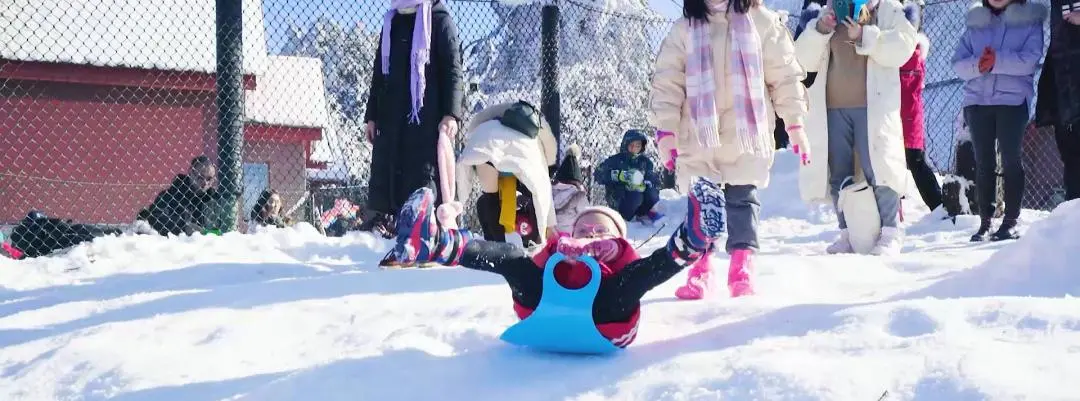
191	204
598	232
630	179
568	191
509	149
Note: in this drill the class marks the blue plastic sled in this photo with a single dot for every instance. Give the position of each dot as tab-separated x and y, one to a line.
858	6
563	321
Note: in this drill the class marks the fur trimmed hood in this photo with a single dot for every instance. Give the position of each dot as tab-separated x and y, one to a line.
1016	14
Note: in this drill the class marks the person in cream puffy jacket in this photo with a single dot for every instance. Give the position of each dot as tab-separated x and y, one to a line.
718	52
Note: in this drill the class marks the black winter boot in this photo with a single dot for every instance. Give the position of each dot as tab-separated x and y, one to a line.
487	211
984	230
1006	231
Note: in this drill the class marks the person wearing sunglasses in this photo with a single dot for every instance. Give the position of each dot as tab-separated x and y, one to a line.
598	231
187	205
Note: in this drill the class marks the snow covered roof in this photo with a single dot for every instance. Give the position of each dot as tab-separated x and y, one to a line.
289	93
335	170
175	35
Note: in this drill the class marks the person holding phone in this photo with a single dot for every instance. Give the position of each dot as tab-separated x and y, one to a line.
1058	105
997	57
855	110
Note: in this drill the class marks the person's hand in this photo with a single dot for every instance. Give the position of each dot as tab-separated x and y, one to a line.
1072	18
603	250
800	145
665	145
854	30
369	131
448	126
826	23
987	60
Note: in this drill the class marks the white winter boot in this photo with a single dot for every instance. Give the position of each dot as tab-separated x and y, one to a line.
889	243
841	245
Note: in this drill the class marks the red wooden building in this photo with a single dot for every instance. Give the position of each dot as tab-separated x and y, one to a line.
103	102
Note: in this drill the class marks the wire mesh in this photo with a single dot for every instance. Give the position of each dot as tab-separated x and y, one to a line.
104	104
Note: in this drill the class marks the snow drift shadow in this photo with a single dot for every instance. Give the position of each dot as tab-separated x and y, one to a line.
235	286
219	390
391	376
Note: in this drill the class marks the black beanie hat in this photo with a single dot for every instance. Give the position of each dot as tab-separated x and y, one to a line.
570	171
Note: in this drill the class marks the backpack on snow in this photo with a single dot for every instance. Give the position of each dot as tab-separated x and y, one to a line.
39	235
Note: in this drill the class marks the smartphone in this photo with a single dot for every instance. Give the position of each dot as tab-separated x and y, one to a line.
842	8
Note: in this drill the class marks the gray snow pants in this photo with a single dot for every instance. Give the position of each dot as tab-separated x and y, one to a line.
848	136
743	209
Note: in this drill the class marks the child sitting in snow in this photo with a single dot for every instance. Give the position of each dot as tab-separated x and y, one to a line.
568	193
598	231
630	180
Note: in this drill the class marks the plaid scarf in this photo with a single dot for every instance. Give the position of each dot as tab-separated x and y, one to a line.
746	83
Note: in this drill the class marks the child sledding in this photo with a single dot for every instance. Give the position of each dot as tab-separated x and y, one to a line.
598	232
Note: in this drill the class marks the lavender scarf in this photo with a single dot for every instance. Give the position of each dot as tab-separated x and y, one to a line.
420	53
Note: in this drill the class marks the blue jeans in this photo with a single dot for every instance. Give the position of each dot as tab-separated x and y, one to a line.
848	137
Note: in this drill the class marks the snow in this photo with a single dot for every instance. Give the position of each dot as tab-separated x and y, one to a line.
290	93
174	35
288	314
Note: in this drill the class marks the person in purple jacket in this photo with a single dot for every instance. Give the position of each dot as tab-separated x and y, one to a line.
997	57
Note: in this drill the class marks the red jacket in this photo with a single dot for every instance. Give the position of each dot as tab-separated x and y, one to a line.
912	78
574	275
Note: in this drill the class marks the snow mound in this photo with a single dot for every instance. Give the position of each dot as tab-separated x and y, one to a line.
287	314
1041	264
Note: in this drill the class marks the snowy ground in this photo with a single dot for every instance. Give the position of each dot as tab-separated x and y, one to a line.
290	315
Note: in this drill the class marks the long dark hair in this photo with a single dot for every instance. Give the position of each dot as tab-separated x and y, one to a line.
260	204
699	9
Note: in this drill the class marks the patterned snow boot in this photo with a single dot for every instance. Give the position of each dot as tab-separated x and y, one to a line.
738	276
420	240
693	241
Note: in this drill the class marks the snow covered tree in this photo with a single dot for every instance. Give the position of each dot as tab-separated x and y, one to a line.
606	52
347	57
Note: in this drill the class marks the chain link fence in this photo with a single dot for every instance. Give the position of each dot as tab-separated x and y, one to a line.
107	105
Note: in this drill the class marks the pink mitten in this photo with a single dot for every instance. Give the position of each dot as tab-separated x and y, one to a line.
604	250
799	143
447	214
667	145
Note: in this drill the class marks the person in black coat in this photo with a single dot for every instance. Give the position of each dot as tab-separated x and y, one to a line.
416	95
1059	92
191	204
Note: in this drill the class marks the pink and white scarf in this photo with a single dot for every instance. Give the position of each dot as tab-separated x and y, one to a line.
419	54
746	82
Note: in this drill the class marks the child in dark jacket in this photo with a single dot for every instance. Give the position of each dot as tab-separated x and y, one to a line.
599	232
630	179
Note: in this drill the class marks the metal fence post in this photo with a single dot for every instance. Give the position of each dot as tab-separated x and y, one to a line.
230	103
549	60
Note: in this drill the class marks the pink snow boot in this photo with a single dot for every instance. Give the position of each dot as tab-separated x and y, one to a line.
697	282
739	273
